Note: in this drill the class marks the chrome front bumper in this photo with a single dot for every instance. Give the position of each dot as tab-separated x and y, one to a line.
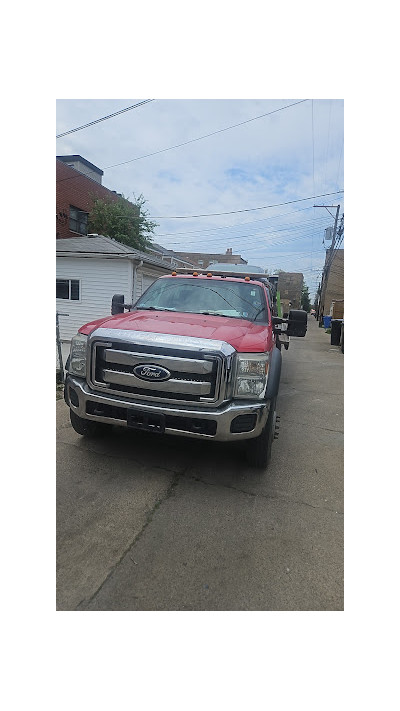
222	416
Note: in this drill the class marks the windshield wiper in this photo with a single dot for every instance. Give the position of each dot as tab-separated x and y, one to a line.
153	308
258	313
211	313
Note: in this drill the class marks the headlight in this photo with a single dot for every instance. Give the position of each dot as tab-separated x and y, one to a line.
77	362
252	375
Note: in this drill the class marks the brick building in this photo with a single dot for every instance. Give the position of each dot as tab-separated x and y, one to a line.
204	259
78	184
333	282
290	286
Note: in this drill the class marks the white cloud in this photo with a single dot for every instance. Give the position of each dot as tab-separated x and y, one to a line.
263	162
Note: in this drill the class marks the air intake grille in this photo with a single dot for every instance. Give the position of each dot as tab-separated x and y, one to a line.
193	377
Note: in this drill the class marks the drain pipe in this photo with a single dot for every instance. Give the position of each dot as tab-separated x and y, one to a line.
135	268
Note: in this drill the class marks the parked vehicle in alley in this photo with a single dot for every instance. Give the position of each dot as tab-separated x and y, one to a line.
197	355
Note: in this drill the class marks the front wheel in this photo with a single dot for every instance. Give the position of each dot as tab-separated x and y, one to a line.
87	428
258	450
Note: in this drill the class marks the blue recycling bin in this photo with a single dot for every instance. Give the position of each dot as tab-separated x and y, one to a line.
327	321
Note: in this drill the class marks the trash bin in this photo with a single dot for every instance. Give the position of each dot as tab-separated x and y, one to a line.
327	321
336	327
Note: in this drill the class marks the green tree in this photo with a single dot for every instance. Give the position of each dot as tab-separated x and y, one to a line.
305	298
125	221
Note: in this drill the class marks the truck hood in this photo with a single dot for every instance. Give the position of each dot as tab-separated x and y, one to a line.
245	336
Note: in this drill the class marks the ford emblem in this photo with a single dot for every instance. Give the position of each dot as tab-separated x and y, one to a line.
151	372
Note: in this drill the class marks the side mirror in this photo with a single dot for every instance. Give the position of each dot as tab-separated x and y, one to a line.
117	304
297	323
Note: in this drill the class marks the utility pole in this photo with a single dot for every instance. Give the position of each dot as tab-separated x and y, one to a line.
325	272
335	228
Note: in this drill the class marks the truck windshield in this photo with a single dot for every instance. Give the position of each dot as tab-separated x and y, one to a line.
205	296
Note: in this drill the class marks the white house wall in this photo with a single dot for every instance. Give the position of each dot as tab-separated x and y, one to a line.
99	280
144	277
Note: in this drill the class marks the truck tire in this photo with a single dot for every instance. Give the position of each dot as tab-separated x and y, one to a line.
258	450
87	428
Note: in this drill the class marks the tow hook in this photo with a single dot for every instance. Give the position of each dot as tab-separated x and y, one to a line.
276	433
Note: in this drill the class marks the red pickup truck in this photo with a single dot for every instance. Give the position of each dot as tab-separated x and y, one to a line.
198	355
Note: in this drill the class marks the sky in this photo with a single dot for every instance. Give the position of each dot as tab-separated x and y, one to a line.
292	154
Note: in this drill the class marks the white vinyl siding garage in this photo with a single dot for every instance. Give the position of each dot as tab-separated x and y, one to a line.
143	281
99	280
94	269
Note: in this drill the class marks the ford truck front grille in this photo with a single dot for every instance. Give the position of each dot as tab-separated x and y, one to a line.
193	378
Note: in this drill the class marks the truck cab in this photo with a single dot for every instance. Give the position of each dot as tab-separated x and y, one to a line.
196	356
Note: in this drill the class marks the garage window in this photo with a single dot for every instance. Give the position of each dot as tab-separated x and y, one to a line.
68	289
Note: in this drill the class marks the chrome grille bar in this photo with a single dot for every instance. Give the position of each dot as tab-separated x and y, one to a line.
190	387
183	365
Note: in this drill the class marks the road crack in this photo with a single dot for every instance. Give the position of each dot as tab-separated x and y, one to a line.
83	604
316	427
268	496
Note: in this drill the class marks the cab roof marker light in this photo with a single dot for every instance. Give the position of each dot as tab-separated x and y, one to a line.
209	274
173	274
195	274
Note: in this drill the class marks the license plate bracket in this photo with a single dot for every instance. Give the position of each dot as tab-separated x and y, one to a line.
147	421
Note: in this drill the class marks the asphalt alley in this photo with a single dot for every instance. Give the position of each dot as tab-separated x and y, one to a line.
147	522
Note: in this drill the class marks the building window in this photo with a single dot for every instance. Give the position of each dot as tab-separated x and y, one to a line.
78	220
68	289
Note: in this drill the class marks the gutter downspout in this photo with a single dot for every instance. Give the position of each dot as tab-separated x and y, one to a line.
134	280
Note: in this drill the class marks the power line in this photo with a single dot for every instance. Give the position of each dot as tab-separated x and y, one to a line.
257	245
179	145
200	138
313	173
340	160
268	245
104	118
340	233
235	226
329	266
260	230
232	212
327	147
313	150
246	240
